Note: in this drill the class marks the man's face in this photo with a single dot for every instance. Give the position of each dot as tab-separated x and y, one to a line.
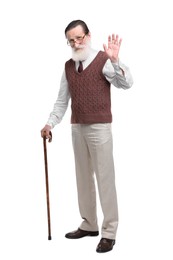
79	42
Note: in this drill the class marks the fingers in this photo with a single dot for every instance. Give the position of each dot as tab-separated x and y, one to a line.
114	39
45	132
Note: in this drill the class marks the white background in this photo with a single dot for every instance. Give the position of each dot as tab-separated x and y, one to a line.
32	54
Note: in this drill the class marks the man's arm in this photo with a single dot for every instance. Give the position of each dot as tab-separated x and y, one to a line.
61	103
116	72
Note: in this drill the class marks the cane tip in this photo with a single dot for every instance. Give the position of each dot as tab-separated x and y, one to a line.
49	237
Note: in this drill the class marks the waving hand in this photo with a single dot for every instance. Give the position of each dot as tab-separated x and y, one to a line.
113	47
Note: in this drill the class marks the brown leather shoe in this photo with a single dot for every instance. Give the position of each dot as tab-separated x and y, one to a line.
79	233
105	245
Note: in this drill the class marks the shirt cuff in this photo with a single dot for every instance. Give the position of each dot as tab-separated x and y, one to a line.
117	66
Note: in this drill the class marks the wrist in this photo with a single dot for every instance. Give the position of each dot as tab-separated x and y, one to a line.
115	61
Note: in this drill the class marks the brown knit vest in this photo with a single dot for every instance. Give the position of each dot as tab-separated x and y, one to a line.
90	92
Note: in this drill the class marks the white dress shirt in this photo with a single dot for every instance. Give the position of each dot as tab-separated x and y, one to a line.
116	73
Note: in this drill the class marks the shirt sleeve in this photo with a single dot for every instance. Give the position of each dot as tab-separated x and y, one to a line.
61	103
118	74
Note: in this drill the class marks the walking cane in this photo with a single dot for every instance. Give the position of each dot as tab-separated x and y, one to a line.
47	183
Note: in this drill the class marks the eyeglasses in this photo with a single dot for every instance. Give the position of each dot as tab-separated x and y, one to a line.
78	39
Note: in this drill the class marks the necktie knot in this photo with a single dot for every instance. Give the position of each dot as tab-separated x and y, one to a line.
80	68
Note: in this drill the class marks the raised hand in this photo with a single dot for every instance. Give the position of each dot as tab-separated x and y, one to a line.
112	50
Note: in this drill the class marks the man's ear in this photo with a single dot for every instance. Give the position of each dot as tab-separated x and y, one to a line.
89	35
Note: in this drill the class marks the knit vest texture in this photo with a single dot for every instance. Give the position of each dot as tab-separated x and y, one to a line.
90	92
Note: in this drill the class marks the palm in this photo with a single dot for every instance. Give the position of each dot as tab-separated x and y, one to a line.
112	50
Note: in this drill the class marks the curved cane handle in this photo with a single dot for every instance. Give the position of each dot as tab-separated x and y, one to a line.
50	138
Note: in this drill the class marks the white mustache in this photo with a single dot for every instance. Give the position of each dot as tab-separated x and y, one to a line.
79	47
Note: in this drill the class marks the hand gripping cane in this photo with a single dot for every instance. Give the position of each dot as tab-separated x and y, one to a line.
47	183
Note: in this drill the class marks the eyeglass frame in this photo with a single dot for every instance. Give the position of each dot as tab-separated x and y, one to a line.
78	39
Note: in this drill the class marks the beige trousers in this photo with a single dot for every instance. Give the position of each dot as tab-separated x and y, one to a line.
93	152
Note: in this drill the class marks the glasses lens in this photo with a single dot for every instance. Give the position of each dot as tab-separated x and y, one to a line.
77	40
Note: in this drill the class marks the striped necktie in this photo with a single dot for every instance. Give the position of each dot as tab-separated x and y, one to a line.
80	68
